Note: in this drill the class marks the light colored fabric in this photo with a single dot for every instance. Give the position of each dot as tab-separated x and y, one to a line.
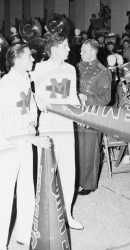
57	84
16	162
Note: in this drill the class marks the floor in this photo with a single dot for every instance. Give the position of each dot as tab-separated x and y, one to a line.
104	213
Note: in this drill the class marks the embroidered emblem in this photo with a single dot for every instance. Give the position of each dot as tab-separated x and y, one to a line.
25	102
62	88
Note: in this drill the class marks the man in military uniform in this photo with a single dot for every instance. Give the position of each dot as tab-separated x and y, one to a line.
94	87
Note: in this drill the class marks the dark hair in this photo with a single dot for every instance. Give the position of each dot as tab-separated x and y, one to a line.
128	13
98	35
127	27
124	34
52	40
14	52
93	43
126	40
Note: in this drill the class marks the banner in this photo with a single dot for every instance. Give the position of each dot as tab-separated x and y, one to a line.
110	120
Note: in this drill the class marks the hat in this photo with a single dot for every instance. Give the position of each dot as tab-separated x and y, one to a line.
126	69
109	35
124	34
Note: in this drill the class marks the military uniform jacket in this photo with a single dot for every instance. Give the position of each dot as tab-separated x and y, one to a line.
94	80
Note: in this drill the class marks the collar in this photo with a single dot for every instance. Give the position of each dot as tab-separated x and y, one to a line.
91	63
19	81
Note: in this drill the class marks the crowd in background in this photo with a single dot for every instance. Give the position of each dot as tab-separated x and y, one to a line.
113	49
99	29
98	55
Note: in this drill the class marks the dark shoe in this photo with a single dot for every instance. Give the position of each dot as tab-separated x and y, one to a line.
20	243
84	192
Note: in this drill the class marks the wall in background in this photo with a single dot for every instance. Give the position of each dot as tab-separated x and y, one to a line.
79	11
37	8
118	15
15	10
91	6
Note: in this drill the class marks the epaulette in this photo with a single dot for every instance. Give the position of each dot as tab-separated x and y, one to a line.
101	66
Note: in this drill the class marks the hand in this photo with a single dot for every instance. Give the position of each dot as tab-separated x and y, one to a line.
42	104
31	129
40	141
82	125
83	98
43	142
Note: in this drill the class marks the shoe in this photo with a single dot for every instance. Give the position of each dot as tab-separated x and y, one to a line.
84	192
74	224
20	243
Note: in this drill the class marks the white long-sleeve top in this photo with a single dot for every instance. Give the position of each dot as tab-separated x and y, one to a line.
17	106
55	84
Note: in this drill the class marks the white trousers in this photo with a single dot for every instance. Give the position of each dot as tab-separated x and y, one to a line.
16	164
60	130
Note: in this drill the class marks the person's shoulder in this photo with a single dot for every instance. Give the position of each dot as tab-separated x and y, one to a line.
39	65
79	65
101	66
104	71
5	81
68	65
6	88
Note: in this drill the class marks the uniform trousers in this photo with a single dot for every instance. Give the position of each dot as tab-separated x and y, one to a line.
88	157
61	131
16	164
